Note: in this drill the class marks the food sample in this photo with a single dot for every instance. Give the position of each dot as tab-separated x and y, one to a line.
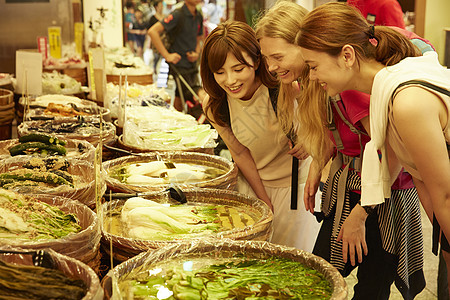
23	217
43	172
145	219
39	144
33	282
163	172
227	278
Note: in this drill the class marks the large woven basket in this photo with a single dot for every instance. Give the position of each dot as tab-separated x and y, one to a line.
84	245
225	181
135	149
84	192
109	131
125	248
6	113
73	149
223	249
69	266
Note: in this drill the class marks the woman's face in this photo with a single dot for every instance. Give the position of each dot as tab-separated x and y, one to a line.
329	71
283	58
237	79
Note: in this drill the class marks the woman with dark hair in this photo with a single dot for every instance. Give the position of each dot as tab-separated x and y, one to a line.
242	107
409	105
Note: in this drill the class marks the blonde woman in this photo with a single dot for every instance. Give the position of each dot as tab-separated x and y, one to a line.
350	235
240	106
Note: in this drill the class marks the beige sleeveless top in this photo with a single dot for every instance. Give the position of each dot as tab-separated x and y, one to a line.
396	142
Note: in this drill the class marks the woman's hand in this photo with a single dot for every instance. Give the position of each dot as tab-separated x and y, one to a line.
298	151
353	235
311	186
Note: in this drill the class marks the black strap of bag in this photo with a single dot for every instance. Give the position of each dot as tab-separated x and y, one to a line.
273	95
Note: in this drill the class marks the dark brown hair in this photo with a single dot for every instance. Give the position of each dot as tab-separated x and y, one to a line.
330	26
232	37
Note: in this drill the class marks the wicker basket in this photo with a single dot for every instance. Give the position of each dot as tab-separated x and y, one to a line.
70	267
224	249
125	248
84	245
83	192
109	131
134	149
6	113
225	181
72	148
146	79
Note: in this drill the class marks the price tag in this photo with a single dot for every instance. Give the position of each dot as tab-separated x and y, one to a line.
54	38
42	46
29	72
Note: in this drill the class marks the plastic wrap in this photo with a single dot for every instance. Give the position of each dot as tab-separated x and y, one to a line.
137	95
212	248
159	128
72	148
226	181
84	245
125	248
84	190
69	266
90	134
133	149
122	61
57	83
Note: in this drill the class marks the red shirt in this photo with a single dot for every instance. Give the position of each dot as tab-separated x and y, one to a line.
380	12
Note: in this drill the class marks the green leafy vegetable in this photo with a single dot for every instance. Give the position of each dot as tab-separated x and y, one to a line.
274	278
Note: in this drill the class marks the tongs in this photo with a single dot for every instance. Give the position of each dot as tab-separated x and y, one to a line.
41	258
175	193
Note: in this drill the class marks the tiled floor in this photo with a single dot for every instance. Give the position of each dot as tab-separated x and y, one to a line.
430	269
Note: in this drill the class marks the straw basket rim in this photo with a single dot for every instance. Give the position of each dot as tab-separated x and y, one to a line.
229	248
226	180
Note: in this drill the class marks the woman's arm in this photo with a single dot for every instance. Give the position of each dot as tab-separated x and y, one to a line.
244	160
420	117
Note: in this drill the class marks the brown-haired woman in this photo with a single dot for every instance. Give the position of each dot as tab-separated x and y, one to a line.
236	78
409	106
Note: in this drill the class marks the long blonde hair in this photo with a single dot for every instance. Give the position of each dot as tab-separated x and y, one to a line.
283	21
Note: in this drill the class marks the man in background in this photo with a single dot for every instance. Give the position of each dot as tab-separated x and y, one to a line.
184	26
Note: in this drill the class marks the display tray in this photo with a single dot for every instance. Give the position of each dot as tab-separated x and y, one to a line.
135	149
212	250
84	180
50	259
75	149
83	246
125	247
71	129
226	177
145	79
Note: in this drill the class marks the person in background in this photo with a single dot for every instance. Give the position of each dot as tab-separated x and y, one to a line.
242	109
409	105
157	16
184	27
213	14
392	252
380	12
129	19
139	30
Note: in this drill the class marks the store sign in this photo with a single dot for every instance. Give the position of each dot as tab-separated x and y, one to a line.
54	40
